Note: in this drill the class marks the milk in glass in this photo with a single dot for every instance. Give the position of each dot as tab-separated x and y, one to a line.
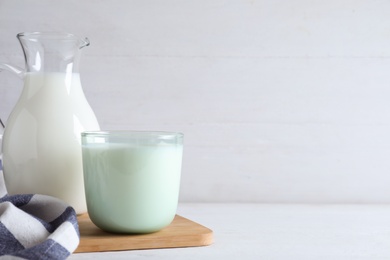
135	184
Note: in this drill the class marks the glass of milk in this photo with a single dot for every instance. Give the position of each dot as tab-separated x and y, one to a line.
132	179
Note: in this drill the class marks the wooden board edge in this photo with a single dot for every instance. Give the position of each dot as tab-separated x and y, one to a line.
205	238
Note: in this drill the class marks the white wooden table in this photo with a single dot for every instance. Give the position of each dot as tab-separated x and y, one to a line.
279	231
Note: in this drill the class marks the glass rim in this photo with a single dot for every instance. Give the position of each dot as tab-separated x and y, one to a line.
131	133
56	36
47	34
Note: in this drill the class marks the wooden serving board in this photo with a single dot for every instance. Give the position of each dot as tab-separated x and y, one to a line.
181	232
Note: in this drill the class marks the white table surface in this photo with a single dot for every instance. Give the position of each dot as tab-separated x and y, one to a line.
279	231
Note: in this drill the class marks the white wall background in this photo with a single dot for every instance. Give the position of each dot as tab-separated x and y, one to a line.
279	101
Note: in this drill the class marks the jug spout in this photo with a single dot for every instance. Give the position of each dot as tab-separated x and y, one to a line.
84	43
19	72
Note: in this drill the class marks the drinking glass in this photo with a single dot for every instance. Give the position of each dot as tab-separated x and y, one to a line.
132	179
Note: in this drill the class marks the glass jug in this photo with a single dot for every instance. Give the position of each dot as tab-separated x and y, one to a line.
42	142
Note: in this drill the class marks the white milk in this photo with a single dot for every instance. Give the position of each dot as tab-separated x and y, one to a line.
132	188
41	144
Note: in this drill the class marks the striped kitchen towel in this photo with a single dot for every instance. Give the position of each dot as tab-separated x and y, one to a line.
34	226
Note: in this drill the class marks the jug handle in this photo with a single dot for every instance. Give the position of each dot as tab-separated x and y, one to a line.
17	71
1	140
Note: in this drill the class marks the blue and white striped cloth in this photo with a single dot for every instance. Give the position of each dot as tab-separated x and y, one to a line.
36	226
